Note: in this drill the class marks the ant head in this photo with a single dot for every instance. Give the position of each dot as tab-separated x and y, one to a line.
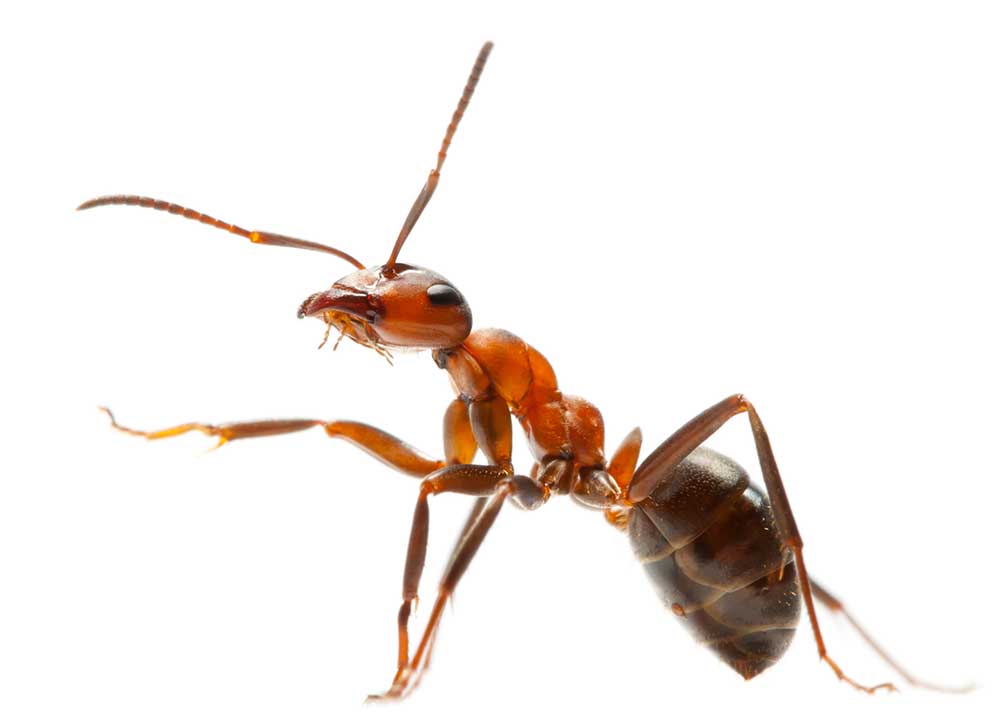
398	306
393	305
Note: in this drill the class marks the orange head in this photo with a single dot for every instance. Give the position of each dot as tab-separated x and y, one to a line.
393	305
397	306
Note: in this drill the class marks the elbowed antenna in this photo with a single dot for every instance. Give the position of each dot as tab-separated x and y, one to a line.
257	237
432	180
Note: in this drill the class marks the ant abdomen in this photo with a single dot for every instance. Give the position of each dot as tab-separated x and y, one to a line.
708	543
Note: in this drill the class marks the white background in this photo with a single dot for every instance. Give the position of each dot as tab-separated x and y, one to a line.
673	203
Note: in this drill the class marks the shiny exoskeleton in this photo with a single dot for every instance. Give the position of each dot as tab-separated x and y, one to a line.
706	539
725	557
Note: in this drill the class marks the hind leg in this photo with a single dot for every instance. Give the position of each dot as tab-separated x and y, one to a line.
834	604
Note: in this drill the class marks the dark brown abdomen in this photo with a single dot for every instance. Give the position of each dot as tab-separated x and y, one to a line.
707	540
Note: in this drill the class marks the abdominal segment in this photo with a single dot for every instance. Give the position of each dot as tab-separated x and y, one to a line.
708	544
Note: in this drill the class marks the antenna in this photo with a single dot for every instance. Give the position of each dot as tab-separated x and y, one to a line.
432	180
257	237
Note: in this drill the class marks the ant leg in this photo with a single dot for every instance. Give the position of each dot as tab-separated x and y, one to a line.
470	520
468	546
474	513
836	606
460	448
623	462
403	660
489	421
409	674
682	443
622	468
459	440
478	480
384	447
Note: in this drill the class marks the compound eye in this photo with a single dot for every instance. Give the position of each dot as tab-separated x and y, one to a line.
443	295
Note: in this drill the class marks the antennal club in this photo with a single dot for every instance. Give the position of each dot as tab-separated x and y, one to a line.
257	237
432	180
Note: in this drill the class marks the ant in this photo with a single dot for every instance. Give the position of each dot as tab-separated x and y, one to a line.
723	556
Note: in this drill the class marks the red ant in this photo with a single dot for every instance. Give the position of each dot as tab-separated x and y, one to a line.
723	556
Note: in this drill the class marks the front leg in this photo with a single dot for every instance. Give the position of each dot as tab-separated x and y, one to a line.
387	449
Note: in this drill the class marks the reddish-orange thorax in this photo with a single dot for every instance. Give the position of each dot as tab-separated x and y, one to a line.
495	362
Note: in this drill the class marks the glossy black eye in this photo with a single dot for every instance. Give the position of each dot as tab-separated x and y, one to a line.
443	295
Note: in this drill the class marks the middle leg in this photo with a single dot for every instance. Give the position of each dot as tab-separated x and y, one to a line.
480	521
487	423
